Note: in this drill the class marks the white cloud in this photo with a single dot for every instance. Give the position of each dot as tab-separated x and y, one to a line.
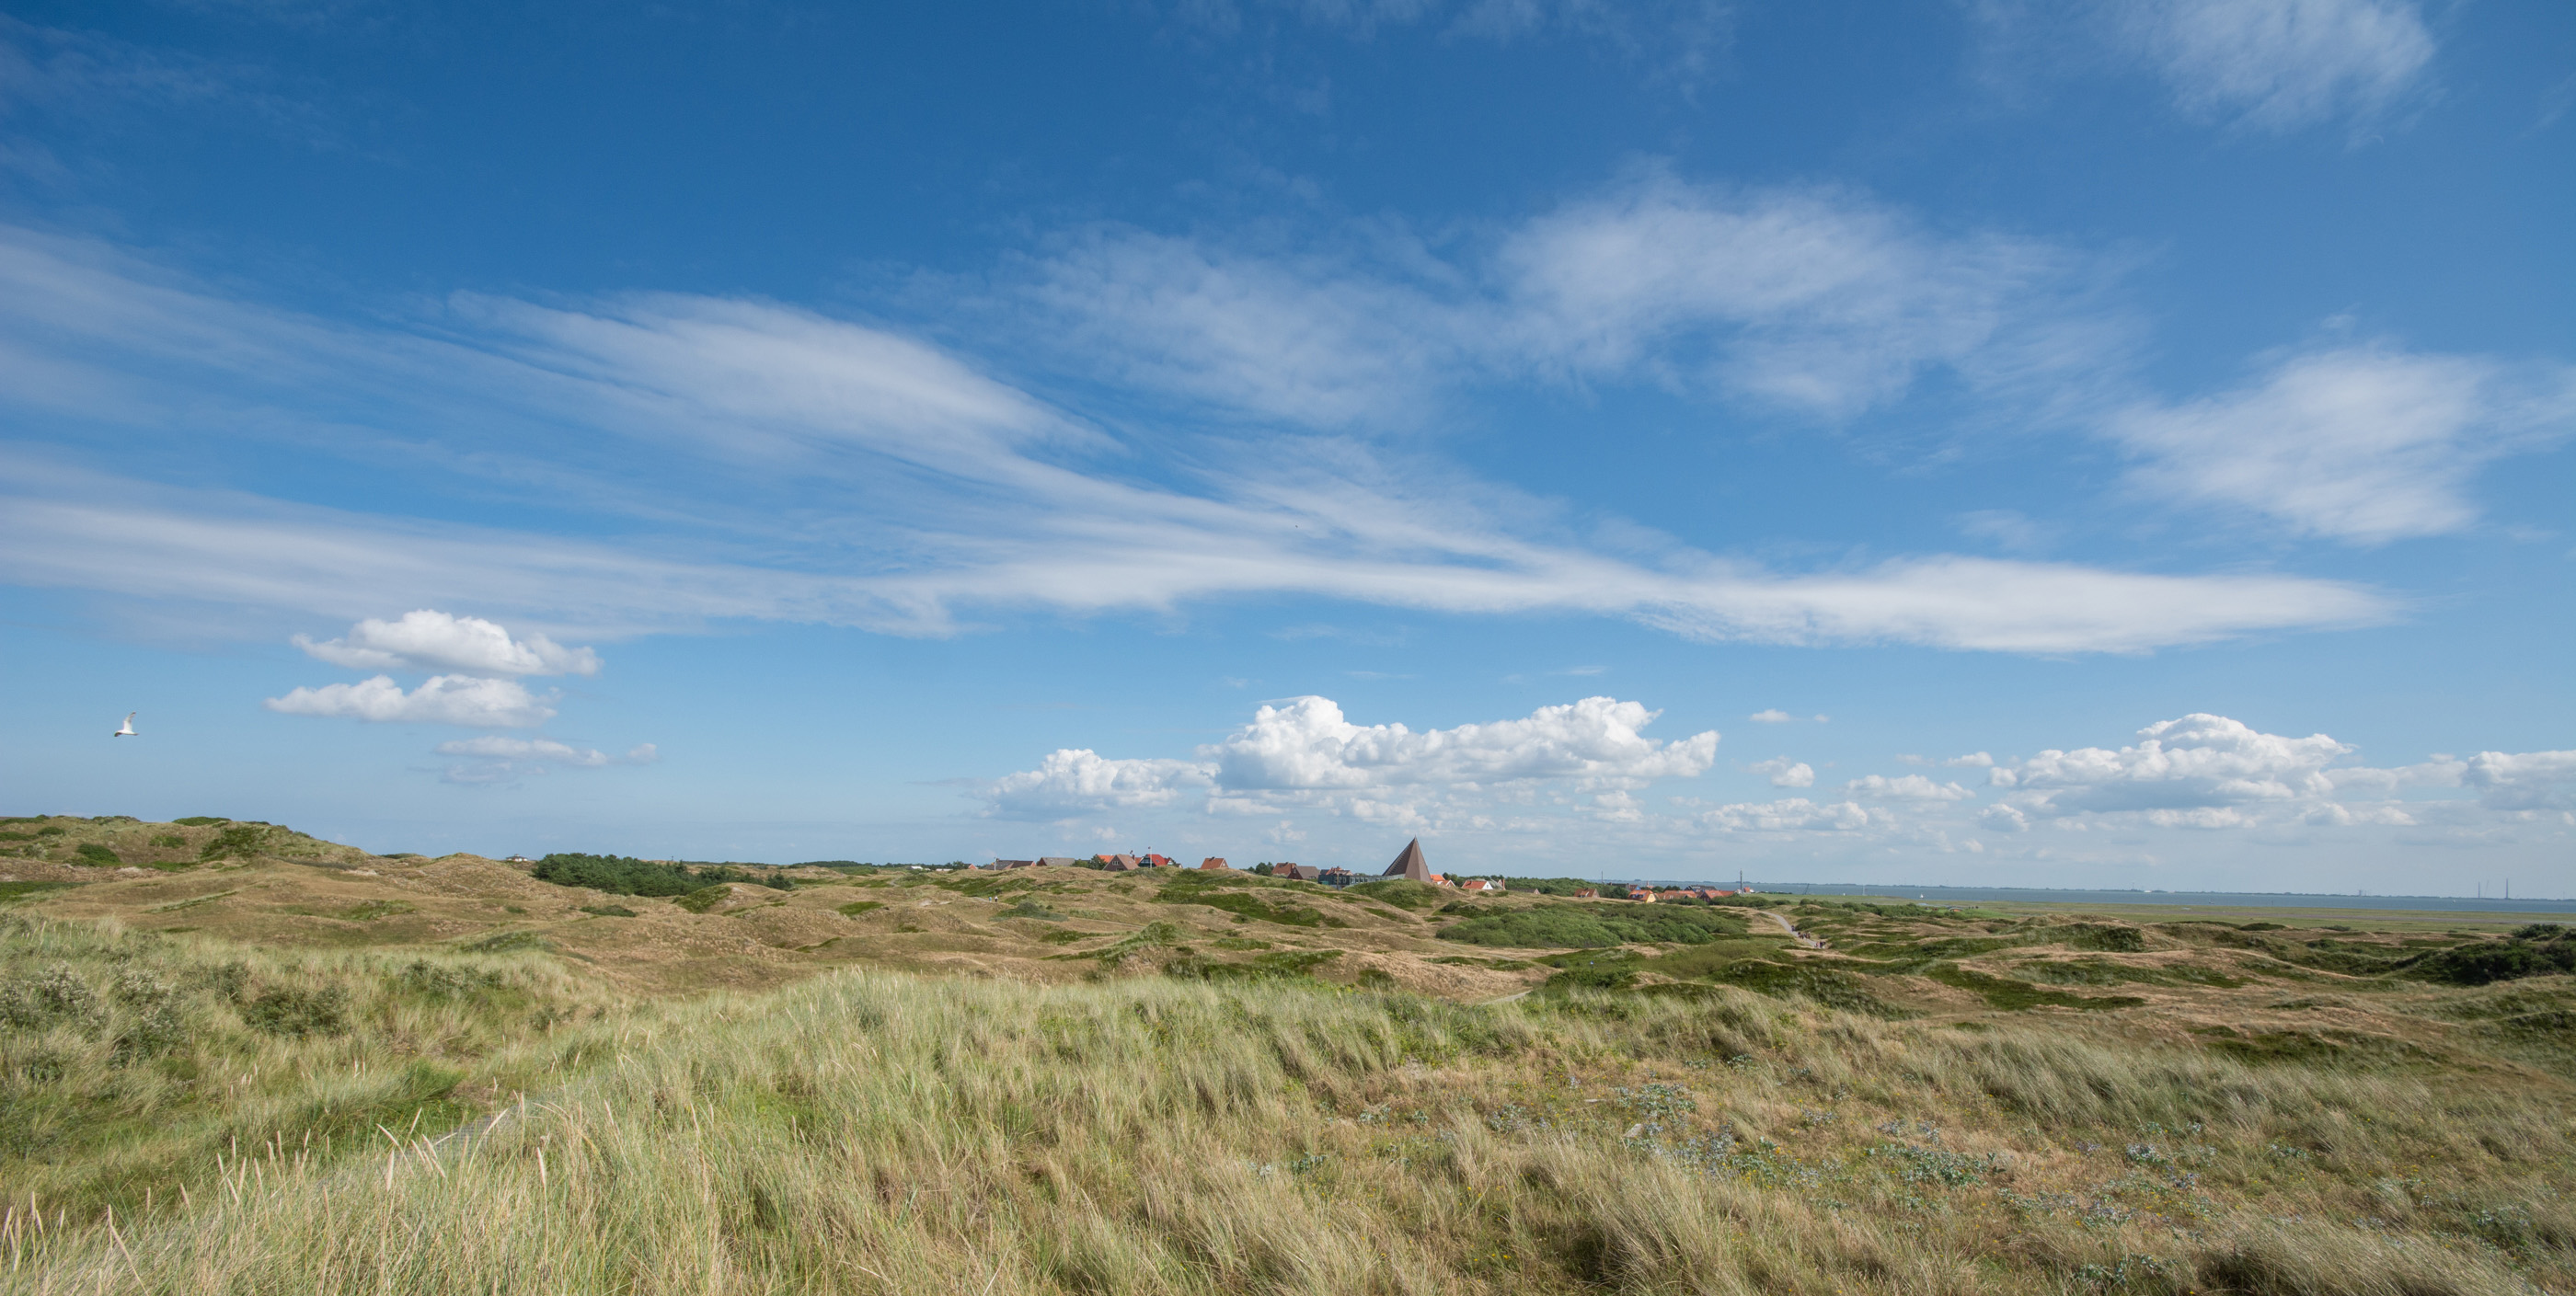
1796	814
1785	772
441	699
1906	787
2200	761
2523	781
1771	715
1078	781
1816	301
1307	744
545	750
430	641
1822	303
948	494
1306	752
505	760
1676	39
2364	444
2279	65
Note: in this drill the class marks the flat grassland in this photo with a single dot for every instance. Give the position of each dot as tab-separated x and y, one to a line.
263	1063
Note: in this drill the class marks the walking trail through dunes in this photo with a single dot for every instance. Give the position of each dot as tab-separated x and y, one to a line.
1062	1082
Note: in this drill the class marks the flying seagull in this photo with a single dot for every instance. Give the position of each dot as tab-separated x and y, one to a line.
127	731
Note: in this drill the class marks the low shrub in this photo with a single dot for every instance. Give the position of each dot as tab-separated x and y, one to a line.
295	1012
93	853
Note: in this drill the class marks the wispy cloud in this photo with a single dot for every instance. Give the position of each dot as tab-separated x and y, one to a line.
2279	65
813	469
1815	303
2268	66
2363	444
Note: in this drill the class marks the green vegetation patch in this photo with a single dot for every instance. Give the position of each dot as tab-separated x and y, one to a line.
2015	996
1828	986
201	821
1401	894
2110	938
1153	935
625	875
21	890
93	853
297	1011
608	911
703	899
371	910
1028	907
2105	972
1282	965
239	841
506	943
2541	949
1591	927
856	907
1183	890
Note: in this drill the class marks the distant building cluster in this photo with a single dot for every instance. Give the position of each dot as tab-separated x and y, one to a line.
1409	865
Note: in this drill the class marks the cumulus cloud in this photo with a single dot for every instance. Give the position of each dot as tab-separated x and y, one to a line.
1307	752
441	699
2211	772
427	640
2362	444
1785	772
2196	768
1907	787
2279	65
1796	814
1774	715
1078	781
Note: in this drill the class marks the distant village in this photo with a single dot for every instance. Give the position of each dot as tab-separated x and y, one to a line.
1409	865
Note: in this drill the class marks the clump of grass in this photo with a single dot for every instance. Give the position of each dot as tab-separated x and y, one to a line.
704	899
856	907
2016	996
1199	889
97	854
608	911
130	1063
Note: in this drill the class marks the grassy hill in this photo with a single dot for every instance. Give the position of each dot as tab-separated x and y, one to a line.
277	1068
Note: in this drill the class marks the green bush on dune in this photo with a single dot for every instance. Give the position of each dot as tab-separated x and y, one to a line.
625	875
1592	927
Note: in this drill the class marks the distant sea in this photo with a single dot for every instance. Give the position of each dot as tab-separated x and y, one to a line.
2265	899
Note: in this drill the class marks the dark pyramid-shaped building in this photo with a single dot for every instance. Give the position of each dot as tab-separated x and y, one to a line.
1410	865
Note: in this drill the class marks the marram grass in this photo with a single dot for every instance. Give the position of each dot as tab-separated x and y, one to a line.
888	1133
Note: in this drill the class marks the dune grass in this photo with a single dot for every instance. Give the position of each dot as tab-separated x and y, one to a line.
878	1132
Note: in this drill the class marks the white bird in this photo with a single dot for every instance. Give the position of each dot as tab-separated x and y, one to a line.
128	730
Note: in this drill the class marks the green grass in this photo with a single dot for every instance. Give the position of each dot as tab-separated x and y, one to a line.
2017	996
856	907
1187	890
869	1133
1592	927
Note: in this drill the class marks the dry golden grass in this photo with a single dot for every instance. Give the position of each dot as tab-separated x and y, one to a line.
2008	1105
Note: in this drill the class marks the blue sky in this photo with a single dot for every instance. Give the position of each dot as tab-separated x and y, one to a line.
2109	444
